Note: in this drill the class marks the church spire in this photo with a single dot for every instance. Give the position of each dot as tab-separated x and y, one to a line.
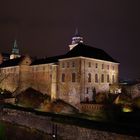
76	39
15	51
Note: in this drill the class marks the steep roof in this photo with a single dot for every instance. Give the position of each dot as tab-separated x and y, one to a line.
79	50
47	60
11	62
91	52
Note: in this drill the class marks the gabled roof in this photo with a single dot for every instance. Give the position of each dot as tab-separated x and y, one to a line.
79	50
91	52
11	62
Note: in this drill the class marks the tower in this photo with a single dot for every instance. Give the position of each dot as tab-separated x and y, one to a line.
76	39
15	51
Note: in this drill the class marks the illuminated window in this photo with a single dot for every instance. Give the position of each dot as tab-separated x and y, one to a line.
108	78
96	78
63	77
96	65
73	77
89	77
102	78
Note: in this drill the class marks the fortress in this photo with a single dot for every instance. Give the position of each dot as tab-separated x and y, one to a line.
73	77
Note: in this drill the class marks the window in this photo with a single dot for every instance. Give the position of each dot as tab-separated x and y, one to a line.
102	66
102	78
89	77
96	78
96	65
87	90
73	77
73	64
63	65
113	79
89	64
68	65
108	78
113	67
108	67
63	77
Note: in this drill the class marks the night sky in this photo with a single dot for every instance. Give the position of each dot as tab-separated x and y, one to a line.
45	28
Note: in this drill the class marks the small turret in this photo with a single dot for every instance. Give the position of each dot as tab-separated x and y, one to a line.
15	51
76	40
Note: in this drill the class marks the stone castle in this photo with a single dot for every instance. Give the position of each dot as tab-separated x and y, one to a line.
73	77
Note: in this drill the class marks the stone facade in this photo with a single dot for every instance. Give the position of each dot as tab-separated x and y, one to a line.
72	77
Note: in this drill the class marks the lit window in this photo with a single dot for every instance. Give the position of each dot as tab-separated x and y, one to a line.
89	77
63	77
73	77
102	78
108	78
96	78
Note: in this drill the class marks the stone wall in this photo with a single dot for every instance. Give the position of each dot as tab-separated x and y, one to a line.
64	131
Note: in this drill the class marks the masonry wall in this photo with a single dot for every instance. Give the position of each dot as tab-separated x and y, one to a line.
64	131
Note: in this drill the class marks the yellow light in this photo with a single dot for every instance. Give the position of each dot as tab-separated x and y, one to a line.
127	109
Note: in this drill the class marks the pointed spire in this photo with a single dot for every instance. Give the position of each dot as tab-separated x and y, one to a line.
15	51
76	32
15	44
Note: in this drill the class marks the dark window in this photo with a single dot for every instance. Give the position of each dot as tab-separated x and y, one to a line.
96	78
89	64
89	77
63	65
96	65
63	77
108	78
68	64
73	64
87	90
102	66
108	67
102	78
73	77
113	79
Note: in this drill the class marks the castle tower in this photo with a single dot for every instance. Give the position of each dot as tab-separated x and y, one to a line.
76	40
15	51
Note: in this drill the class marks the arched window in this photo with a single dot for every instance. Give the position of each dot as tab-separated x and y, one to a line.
108	78
96	78
89	77
73	77
102	78
63	77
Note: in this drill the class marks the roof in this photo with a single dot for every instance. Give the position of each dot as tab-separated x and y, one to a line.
47	60
79	50
91	52
11	62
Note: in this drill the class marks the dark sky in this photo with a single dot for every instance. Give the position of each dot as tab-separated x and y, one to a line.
45	28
